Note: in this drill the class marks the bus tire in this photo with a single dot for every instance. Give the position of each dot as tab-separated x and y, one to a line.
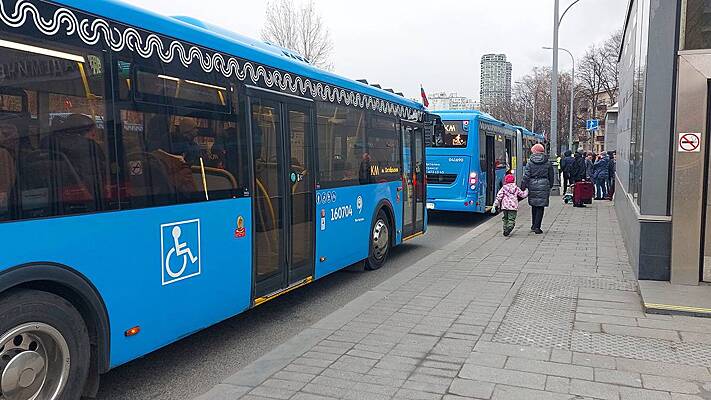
41	328
379	243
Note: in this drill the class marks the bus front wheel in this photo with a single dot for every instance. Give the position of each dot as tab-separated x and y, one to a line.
44	347
379	242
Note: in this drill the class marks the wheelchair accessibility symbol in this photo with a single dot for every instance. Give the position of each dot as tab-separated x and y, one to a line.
180	250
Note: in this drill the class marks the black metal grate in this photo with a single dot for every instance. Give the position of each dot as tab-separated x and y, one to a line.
441	179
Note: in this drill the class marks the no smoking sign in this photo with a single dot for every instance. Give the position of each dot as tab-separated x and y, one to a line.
689	143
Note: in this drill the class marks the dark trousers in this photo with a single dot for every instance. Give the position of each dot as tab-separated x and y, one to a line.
537	214
611	188
509	219
566	183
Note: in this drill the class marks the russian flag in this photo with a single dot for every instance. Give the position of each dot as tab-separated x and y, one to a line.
425	102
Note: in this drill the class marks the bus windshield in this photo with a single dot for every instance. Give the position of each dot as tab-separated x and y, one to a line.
451	134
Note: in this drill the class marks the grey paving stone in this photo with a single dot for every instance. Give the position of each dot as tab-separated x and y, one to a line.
430	387
449	373
513	350
557	384
322	390
409	394
695	337
487	359
361	395
669	384
503	392
594	360
594	389
593	327
284	384
441	365
504	376
561	356
550	368
334	382
679	396
294	376
627	393
309	396
625	378
664	369
389	373
605	318
304	369
272	392
641	332
471	388
372	388
224	392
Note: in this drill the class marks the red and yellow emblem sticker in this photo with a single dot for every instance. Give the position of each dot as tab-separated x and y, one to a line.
241	231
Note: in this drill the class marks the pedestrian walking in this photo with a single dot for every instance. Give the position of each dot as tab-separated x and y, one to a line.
589	163
507	200
566	165
601	176
611	180
538	179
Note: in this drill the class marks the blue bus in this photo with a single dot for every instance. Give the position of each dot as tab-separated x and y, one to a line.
158	175
467	157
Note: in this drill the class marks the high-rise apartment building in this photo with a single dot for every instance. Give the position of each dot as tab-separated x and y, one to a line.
495	80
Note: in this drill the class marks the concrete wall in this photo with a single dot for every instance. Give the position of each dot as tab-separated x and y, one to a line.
647	67
659	107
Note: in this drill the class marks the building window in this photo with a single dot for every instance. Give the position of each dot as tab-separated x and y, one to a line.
697	32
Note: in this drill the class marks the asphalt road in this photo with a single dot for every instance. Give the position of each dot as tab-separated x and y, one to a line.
193	365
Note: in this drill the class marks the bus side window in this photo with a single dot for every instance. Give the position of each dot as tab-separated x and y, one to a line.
53	145
343	158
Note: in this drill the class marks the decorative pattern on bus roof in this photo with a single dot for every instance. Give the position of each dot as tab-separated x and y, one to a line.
92	31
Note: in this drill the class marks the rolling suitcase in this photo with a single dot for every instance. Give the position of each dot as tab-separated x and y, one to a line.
583	193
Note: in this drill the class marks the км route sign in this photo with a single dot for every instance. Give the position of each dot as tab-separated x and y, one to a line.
592	124
689	142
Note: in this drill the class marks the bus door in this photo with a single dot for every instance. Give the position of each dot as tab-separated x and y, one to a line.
490	170
509	155
518	158
414	195
284	192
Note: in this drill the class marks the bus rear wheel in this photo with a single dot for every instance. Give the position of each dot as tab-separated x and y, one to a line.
44	347
379	242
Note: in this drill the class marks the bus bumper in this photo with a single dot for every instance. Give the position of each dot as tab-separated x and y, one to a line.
461	205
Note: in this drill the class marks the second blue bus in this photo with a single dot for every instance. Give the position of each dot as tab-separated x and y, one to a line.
467	157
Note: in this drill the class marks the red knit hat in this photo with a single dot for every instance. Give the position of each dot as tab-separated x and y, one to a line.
509	179
538	148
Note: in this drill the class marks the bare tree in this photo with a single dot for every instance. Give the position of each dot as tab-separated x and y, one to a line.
300	29
609	73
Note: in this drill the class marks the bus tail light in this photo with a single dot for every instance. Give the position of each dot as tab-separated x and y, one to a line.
473	179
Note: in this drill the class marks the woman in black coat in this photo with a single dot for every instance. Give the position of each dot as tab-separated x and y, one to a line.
538	179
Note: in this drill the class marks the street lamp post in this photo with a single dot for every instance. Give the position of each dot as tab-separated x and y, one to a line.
554	86
572	97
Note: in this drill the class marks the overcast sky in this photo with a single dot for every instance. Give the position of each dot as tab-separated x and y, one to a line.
402	43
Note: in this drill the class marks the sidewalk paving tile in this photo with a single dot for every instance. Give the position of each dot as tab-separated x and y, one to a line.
553	316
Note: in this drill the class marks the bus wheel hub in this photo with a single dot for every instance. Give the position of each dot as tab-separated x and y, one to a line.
20	376
34	362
